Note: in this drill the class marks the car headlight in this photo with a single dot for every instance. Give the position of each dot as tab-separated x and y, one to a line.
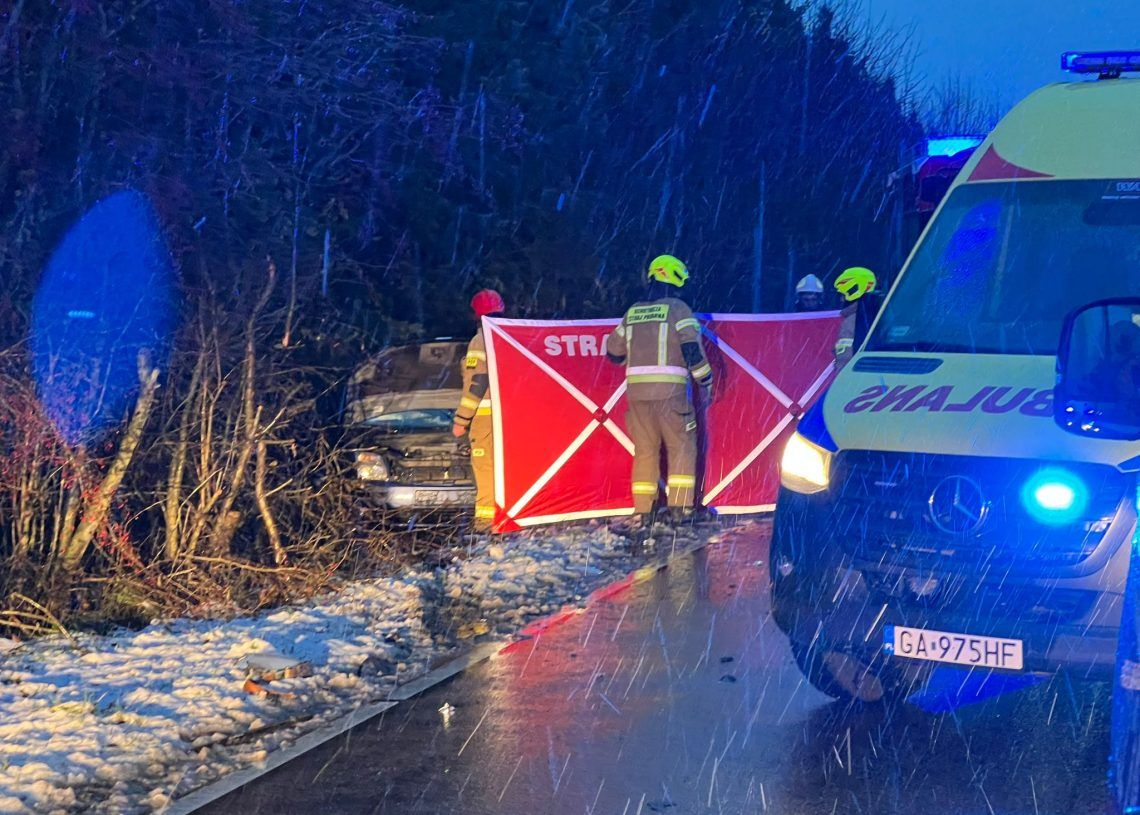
805	467
371	467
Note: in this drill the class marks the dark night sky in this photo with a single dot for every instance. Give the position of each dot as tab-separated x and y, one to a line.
1006	48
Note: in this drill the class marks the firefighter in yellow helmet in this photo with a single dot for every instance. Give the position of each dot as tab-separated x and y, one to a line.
473	416
659	342
857	287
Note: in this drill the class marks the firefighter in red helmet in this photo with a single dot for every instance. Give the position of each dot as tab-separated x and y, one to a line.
473	416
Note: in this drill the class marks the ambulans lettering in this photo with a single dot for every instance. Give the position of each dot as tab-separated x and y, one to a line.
864	400
969	405
932	401
574	345
1040	405
989	399
897	397
994	403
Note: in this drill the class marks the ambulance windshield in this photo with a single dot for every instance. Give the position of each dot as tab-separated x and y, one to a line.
1005	262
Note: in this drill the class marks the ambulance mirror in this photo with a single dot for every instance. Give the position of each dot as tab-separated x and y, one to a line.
1098	370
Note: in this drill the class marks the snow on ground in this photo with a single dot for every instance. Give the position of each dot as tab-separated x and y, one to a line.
125	722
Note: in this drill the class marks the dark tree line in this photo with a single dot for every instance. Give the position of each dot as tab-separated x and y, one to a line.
651	126
334	175
546	147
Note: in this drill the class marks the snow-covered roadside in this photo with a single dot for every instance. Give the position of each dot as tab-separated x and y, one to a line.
127	721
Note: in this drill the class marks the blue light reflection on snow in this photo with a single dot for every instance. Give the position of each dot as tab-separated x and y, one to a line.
105	296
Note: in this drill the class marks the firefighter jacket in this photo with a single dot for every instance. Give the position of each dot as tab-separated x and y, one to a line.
476	383
857	319
659	341
844	345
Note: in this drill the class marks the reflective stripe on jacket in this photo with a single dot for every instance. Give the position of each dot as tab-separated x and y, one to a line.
650	338
476	400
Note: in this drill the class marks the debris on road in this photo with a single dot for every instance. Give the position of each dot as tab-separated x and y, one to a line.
267	666
254	687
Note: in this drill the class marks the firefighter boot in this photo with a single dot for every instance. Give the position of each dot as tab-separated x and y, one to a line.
634	528
683	520
682	516
628	525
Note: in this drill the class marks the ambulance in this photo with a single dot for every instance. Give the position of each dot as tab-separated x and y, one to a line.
931	512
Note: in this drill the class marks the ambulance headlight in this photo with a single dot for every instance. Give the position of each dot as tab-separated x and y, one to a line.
371	467
805	467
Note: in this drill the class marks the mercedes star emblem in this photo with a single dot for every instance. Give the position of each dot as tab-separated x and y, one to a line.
958	506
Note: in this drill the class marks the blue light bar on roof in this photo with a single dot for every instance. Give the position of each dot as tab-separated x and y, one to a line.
951	145
1105	63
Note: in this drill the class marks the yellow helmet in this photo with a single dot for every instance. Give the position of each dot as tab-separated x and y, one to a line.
667	269
853	283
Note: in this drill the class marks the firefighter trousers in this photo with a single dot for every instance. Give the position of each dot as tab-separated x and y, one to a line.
483	466
671	423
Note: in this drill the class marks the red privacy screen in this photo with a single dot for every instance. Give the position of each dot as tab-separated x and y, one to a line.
561	449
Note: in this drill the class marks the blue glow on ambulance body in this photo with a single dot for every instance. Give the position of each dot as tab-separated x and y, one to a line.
813	427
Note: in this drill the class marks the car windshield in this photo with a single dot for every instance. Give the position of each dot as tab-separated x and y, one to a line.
1005	262
412	420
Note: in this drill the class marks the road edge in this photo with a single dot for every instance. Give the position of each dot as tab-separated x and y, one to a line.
203	796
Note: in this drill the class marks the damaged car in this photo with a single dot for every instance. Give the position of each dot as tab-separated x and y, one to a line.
397	430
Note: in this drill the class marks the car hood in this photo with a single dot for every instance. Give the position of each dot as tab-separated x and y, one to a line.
381	403
373	438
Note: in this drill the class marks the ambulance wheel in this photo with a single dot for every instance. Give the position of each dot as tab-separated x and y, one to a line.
848	677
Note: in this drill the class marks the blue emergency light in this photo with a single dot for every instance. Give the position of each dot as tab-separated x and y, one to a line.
951	145
1105	63
1055	496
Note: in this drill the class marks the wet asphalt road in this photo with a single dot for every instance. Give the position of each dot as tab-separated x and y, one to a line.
679	696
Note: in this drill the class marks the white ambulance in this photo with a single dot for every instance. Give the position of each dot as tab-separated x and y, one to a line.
931	511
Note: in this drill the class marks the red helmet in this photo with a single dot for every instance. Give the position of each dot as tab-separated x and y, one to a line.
487	301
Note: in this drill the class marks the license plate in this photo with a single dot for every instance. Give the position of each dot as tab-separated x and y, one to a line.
435	498
956	649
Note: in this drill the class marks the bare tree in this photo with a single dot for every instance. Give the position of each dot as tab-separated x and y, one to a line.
958	106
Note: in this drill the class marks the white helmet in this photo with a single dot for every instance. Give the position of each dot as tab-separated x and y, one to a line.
809	285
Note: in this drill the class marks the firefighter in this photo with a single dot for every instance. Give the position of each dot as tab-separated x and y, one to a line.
809	294
473	416
856	286
659	342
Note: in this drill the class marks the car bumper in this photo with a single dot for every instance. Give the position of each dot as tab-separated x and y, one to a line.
820	594
406	497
